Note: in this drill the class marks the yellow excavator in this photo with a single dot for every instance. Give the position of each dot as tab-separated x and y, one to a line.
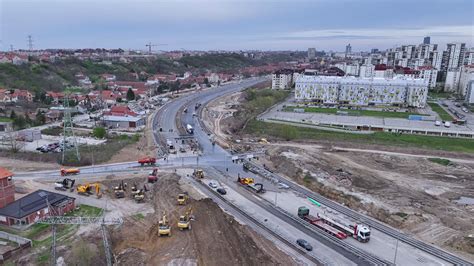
86	189
164	228
139	196
184	221
183	198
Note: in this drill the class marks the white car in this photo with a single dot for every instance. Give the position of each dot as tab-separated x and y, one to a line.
213	184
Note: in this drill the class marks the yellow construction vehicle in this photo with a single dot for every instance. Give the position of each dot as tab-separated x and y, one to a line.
263	141
184	221
140	196
120	190
87	189
164	228
198	173
183	198
245	180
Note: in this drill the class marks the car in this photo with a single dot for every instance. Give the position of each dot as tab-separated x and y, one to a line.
213	184
304	244
221	191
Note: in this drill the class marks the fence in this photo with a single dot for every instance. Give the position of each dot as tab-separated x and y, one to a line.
22	244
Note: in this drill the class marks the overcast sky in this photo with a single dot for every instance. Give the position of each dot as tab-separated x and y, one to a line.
234	25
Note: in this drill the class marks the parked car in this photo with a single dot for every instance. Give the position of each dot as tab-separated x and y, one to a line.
303	243
221	191
213	184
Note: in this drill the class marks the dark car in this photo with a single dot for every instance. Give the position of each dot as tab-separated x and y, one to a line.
221	191
303	243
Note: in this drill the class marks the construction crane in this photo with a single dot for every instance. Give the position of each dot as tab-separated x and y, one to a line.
184	221
164	228
150	45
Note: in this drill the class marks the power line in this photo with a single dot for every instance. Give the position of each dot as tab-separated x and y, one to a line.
30	43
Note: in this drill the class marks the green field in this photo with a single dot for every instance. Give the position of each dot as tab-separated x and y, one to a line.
265	129
5	119
440	111
353	112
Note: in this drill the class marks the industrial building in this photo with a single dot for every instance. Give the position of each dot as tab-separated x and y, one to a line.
398	91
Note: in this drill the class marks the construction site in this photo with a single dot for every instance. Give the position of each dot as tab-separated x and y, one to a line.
406	188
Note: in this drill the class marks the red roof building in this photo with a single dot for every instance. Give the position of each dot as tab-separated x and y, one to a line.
7	188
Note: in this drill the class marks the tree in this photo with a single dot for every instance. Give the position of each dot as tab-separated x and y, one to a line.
40	118
13	115
206	81
130	95
99	132
19	122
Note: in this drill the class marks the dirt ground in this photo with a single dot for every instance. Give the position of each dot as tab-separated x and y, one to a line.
215	238
412	194
15	165
134	151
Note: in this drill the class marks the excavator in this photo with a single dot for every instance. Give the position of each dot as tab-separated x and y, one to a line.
184	221
65	184
86	189
164	228
183	198
120	190
140	196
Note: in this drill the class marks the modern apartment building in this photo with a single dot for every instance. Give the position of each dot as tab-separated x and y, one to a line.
399	91
282	80
311	53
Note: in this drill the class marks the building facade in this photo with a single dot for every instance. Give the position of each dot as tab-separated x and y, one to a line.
282	80
400	91
7	188
311	53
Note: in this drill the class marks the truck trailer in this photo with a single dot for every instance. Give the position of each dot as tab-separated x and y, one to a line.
337	227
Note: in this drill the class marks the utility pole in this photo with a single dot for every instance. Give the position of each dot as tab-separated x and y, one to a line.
68	134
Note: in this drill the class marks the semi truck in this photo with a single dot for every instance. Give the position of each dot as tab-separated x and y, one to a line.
336	227
189	129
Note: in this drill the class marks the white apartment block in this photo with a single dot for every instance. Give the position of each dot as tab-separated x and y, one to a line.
469	57
470	92
282	80
349	69
452	80
466	75
455	55
399	91
436	59
367	71
429	74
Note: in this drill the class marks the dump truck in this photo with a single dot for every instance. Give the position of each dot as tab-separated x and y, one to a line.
183	198
153	176
184	221
70	171
164	228
65	184
147	160
249	183
336	227
198	173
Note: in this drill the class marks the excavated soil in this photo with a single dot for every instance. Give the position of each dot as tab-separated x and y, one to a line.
409	193
215	239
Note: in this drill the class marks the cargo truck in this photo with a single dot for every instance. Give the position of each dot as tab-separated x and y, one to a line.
147	160
70	171
336	227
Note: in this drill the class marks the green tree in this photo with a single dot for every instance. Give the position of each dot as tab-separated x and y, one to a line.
13	115
40	118
19	122
130	95
99	132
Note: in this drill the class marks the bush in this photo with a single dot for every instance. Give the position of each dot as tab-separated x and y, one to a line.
99	132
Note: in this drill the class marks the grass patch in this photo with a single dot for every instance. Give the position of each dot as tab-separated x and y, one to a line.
440	111
86	211
5	119
444	162
373	113
265	129
138	216
35	230
43	258
439	94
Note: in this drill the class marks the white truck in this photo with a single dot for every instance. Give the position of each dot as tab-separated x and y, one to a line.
189	129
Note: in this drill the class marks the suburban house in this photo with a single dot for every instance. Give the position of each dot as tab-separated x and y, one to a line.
121	116
13	96
35	206
55	97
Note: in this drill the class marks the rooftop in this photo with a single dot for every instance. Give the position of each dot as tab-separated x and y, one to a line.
31	203
4	173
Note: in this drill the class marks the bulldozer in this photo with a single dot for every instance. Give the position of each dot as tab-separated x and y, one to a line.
86	189
164	228
120	190
184	221
65	184
198	173
183	198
